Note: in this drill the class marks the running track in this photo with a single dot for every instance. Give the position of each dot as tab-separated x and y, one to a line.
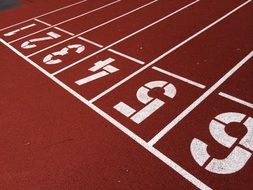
117	94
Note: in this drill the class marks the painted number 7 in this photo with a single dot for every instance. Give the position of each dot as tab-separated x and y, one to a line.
152	104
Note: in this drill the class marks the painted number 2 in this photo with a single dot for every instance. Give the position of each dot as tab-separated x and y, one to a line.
31	43
238	157
152	104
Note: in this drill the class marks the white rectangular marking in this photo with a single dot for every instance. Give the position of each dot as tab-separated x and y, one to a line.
161	56
179	77
125	109
240	101
42	22
199	184
127	56
93	28
189	109
65	21
122	39
48	13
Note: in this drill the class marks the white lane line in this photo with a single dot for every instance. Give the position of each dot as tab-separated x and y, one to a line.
125	38
42	22
240	101
127	56
179	77
48	13
113	51
65	21
189	109
93	28
65	31
185	174
91	42
164	54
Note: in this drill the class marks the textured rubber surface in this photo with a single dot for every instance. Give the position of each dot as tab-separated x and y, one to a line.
122	94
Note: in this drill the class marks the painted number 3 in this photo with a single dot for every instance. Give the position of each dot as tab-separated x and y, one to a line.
49	58
238	157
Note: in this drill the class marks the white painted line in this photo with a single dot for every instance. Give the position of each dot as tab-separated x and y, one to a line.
179	77
199	184
91	42
42	22
127	56
125	38
134	10
57	28
240	101
116	18
65	21
113	51
65	31
189	109
163	55
48	13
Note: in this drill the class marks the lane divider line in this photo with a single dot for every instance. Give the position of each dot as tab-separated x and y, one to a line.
162	55
65	31
89	41
234	99
127	56
185	174
198	101
93	28
196	84
45	14
42	22
122	39
65	21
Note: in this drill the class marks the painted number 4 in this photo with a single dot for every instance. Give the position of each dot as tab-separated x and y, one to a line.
105	69
238	157
152	104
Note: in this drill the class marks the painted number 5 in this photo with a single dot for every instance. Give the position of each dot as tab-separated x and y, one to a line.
152	104
238	157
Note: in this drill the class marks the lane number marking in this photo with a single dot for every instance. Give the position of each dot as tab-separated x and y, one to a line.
100	65
30	43
49	58
152	104
238	157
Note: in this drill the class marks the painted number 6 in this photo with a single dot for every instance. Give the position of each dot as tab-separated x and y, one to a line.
152	104
238	157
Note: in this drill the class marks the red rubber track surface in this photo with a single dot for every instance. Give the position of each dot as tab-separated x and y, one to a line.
56	133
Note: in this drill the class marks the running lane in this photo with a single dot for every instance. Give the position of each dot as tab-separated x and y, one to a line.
49	140
75	11
30	10
186	90
200	135
152	42
104	15
133	22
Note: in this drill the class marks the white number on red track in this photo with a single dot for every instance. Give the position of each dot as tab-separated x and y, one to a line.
106	70
238	157
30	43
152	104
49	58
12	33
